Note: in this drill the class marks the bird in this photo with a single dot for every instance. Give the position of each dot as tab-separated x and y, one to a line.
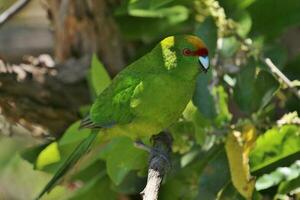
146	97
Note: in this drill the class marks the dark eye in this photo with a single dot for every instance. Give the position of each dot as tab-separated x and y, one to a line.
187	52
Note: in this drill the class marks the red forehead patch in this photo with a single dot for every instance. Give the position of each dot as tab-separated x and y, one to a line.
199	52
202	52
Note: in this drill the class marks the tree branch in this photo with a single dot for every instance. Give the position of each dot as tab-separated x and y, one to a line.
274	69
158	165
33	97
281	76
12	10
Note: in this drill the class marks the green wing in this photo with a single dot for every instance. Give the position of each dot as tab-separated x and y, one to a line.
112	106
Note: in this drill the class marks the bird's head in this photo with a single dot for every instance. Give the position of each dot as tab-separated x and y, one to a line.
187	49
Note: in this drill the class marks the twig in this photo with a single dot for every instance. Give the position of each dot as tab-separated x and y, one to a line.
281	76
158	165
12	10
274	69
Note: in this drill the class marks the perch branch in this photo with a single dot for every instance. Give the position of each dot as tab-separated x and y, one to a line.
12	10
158	165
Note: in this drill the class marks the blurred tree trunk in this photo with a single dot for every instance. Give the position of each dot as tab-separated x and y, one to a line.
46	100
85	27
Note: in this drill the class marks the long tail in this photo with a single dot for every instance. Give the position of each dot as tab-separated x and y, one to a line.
87	123
80	150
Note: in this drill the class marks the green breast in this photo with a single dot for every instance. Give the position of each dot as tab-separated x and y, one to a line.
158	102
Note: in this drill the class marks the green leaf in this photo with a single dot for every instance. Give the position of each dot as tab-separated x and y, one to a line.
158	3
207	31
289	186
275	148
265	87
47	156
153	9
253	92
279	175
277	53
96	188
32	153
232	6
73	134
152	20
192	114
244	88
223	114
181	133
131	184
203	99
228	192
244	23
230	46
214	176
238	144
98	75
124	157
271	17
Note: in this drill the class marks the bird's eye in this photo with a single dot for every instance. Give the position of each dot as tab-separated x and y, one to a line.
187	52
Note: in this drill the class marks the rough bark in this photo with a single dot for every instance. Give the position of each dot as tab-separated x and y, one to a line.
46	100
33	97
86	27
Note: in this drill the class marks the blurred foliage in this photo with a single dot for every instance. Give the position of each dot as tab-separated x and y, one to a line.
231	142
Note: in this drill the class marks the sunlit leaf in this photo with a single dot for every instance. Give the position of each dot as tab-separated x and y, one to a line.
98	75
238	145
223	114
279	175
277	147
200	122
47	156
181	133
244	23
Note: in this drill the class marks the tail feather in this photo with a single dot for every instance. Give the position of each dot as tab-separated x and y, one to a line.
80	150
87	123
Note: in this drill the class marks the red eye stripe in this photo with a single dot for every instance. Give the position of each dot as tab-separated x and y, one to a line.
199	52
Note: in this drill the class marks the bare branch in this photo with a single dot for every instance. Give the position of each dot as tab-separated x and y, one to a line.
12	10
281	76
274	69
158	165
33	97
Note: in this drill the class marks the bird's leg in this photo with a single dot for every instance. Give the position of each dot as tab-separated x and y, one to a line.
157	151
159	163
141	145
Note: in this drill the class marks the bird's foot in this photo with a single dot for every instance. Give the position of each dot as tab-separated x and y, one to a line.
154	152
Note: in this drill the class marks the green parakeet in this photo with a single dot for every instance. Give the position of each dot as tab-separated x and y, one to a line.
147	96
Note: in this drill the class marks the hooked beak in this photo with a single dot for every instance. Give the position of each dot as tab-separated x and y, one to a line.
204	62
